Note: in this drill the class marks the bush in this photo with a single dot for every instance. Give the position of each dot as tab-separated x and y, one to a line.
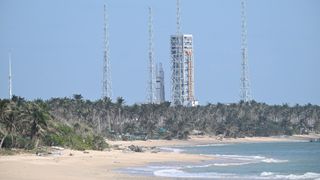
24	142
64	129
74	138
99	143
54	140
7	143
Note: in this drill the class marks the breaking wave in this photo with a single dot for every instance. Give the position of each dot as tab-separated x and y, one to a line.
307	176
177	173
169	149
211	145
251	159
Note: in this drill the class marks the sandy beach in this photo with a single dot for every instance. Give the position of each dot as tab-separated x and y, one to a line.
79	165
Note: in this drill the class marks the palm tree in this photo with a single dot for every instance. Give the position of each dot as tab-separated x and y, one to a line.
11	119
108	103
119	104
3	115
39	120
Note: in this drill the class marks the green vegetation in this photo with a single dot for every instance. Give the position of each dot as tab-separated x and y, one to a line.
81	124
28	125
117	120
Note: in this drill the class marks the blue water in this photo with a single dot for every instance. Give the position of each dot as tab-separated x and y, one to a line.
282	160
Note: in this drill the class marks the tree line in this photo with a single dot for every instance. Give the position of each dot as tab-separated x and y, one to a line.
166	121
81	124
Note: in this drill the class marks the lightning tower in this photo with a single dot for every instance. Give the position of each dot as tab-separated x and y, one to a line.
10	77
178	18
106	80
245	94
151	94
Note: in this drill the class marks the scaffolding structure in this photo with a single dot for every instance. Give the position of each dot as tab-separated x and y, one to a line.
182	66
182	70
106	80
245	93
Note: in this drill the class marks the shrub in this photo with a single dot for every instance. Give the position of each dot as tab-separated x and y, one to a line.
99	143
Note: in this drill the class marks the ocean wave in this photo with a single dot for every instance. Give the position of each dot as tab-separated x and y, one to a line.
210	145
307	176
175	150
216	164
251	159
177	173
271	160
230	164
266	174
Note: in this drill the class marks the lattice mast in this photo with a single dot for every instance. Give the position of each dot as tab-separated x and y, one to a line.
178	18
151	94
10	77
176	67
106	80
245	94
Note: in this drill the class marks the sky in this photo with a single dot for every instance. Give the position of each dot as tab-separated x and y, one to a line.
57	48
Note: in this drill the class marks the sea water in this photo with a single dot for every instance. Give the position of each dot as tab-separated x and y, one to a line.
281	160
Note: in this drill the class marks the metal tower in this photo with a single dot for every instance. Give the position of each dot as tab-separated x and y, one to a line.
245	94
151	95
106	80
177	63
178	18
10	77
182	66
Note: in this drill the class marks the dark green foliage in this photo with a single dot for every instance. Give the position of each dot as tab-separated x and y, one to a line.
99	143
75	138
27	125
113	119
78	123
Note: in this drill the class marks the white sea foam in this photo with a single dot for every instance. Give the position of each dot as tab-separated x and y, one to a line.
252	159
210	145
177	173
231	164
216	164
175	150
266	174
271	160
308	175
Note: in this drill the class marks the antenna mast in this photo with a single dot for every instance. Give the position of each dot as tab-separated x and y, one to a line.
106	81
10	77
245	94
178	18
152	81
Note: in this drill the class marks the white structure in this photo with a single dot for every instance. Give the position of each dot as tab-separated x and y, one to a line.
182	66
182	70
106	79
160	93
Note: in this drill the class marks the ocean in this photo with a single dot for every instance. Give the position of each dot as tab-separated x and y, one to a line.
243	161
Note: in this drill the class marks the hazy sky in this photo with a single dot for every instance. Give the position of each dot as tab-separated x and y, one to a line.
57	48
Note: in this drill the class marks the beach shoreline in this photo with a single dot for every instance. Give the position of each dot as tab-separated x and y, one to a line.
70	164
